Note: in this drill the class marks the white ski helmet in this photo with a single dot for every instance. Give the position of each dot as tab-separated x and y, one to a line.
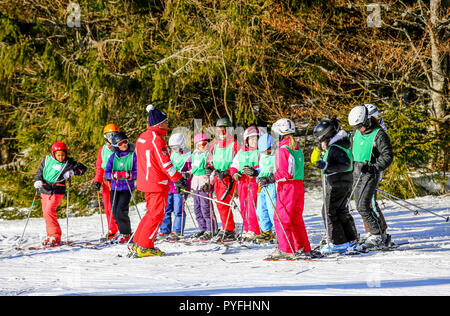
373	110
178	140
359	115
283	127
251	131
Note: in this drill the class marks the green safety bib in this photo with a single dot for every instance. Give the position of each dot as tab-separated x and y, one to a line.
123	163
52	169
179	160
348	151
222	157
199	164
363	145
247	159
299	162
267	165
106	153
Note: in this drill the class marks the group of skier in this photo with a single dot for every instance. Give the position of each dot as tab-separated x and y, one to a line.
265	172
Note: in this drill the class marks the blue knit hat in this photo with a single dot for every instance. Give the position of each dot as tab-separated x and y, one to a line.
155	116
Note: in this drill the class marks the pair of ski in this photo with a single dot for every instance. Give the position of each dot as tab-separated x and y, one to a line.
95	244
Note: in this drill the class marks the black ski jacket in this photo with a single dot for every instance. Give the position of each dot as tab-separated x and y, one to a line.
382	154
338	161
59	186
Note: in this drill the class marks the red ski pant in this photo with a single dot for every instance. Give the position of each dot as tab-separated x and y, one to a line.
106	192
50	203
225	213
289	216
247	199
147	229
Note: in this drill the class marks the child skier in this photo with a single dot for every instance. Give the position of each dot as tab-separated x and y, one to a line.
243	170
337	165
220	157
289	226
267	195
181	160
121	170
100	181
50	179
372	154
201	184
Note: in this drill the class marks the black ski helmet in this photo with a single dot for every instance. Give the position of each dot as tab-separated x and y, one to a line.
326	130
223	122
117	138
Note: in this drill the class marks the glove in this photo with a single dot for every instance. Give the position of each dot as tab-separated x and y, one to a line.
208	171
180	185
315	156
116	175
126	175
237	176
205	188
222	174
251	172
366	168
68	174
321	164
186	175
38	184
265	181
97	186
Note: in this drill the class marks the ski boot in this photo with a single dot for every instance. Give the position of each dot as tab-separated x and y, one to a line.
121	238
247	237
277	255
224	235
197	235
332	248
140	252
265	237
206	236
51	241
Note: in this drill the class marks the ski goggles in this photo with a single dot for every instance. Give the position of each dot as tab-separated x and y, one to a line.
202	143
122	143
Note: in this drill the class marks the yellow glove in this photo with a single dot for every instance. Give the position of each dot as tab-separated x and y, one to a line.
315	157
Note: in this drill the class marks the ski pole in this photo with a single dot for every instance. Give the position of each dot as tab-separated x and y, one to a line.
190	213
416	212
112	206
101	212
353	190
324	197
67	212
207	198
28	217
409	203
134	201
279	220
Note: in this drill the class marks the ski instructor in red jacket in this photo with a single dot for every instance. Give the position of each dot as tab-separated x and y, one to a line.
154	172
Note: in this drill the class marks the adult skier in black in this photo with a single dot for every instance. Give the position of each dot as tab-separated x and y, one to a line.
337	165
372	154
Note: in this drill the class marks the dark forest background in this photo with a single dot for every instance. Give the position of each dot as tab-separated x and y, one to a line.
67	68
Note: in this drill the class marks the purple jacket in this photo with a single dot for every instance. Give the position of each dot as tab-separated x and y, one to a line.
121	184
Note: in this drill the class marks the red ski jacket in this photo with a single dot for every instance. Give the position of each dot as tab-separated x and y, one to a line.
154	168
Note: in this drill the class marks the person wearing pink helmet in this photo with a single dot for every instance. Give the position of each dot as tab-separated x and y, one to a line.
201	185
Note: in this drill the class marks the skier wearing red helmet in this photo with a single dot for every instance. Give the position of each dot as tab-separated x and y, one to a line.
50	179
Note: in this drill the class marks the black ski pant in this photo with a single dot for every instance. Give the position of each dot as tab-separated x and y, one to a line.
341	225
121	207
364	192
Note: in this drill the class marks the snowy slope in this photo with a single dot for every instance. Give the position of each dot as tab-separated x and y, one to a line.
201	269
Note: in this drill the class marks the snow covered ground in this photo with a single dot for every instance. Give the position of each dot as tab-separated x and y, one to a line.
204	270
